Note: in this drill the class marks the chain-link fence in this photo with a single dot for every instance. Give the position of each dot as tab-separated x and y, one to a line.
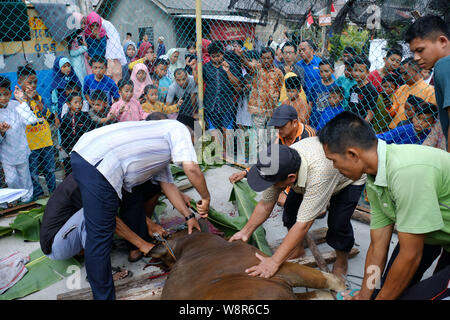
70	67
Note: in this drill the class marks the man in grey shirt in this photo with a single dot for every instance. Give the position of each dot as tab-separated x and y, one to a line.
185	88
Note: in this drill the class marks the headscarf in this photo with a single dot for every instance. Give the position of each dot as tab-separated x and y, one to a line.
92	18
143	48
125	48
140	86
173	66
60	80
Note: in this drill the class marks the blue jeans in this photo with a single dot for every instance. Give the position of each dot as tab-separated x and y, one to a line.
42	158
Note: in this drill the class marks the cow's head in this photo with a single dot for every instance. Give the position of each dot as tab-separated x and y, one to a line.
175	242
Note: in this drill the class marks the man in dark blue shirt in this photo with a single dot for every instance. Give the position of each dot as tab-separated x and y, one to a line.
223	80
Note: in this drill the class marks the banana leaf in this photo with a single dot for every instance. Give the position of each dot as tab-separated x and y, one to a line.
5	231
42	273
228	225
244	196
27	224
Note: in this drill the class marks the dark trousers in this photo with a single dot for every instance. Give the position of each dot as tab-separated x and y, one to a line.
100	203
132	209
415	288
340	234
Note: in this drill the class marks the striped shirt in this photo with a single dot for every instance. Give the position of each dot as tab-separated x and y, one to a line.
133	152
317	180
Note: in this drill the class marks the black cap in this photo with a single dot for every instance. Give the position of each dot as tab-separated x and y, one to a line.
282	115
274	165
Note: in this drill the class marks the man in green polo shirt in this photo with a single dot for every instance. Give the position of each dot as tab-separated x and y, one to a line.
408	186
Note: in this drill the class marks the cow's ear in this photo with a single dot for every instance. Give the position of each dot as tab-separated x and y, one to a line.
158	251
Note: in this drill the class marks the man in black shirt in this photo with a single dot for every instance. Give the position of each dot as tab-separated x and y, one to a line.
63	232
363	96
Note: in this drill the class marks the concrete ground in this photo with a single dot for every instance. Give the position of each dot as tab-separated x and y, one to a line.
220	188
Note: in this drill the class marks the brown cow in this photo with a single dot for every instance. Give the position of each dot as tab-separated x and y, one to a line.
208	267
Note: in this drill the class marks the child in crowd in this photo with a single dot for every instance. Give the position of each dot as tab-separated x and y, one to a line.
412	103
147	56
62	75
39	136
243	117
391	64
160	78
99	81
335	98
99	111
293	89
318	93
383	114
423	120
346	81
191	54
78	54
130	50
152	104
15	115
72	87
141	79
364	95
127	108
96	37
74	124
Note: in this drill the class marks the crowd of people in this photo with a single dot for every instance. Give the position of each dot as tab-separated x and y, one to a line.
290	88
96	85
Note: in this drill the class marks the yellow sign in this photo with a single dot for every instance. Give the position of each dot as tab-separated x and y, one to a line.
41	40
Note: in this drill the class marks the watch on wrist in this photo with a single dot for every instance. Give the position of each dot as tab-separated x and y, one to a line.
189	217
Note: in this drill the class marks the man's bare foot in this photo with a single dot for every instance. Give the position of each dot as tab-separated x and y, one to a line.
341	265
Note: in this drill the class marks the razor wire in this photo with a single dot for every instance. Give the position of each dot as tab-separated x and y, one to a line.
135	60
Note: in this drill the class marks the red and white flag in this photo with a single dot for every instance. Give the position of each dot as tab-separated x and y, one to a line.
310	19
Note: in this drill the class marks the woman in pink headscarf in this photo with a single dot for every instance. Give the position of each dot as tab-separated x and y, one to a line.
141	78
96	37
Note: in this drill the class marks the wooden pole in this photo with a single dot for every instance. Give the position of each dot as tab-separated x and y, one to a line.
198	19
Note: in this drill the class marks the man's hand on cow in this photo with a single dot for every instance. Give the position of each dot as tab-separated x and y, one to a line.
239	236
265	269
191	224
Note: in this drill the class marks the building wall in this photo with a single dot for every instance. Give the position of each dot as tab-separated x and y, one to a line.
130	15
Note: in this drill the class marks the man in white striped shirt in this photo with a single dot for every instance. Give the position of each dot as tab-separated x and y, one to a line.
125	155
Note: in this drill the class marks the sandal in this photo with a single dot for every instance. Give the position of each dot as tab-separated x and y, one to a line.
117	270
339	295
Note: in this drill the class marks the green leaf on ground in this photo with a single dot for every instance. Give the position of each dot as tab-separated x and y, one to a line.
244	196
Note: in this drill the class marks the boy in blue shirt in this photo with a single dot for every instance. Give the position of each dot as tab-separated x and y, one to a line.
99	81
424	118
319	91
335	99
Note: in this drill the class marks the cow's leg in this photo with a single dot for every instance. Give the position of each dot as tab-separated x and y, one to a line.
297	275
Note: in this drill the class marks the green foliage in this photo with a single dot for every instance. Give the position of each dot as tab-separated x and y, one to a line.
26	225
351	36
42	273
